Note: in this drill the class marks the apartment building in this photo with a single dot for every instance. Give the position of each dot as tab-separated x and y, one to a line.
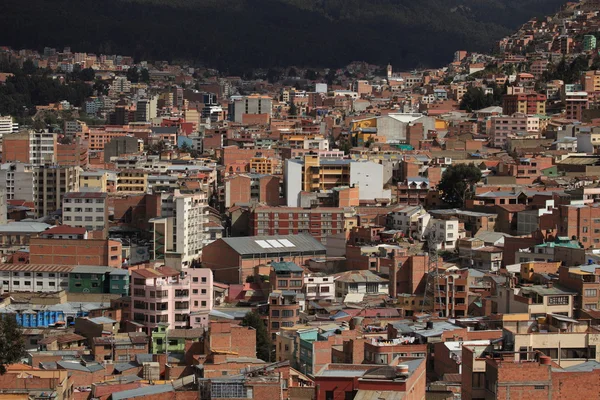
7	126
239	106
34	277
100	252
319	287
411	220
247	188
87	210
445	232
42	148
50	184
524	103
284	310
74	154
181	228
167	296
504	126
590	81
575	103
585	281
131	181
362	282
320	222
313	174
18	178
93	181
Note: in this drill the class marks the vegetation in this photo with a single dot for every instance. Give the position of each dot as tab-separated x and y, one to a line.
456	182
33	87
476	99
263	340
12	345
275	32
567	72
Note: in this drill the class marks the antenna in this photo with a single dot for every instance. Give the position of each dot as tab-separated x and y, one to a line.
432	286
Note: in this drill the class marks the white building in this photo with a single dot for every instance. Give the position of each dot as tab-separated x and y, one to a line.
446	233
254	104
319	287
393	126
33	278
411	220
146	109
181	227
42	148
87	210
18	179
7	126
121	85
361	282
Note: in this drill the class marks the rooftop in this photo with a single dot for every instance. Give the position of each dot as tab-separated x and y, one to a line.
274	244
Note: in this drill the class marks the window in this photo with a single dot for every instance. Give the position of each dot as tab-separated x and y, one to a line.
195	279
274	325
204	280
274	313
39	284
590	293
194	291
558	300
203	303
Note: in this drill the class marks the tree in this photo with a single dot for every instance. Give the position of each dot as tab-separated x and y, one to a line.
87	74
132	75
12	345
476	99
29	67
145	75
456	182
293	109
263	341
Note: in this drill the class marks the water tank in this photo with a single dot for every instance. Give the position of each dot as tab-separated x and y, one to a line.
356	322
545	360
429	325
402	369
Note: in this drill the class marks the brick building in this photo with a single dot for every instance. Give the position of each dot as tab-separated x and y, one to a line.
99	252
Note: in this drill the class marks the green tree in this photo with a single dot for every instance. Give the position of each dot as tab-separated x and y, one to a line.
12	345
293	109
263	341
133	75
456	182
476	99
87	74
145	75
29	67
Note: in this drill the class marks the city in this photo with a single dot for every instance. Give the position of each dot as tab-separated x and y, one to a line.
170	231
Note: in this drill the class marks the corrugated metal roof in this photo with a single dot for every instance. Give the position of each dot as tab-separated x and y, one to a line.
143	391
302	243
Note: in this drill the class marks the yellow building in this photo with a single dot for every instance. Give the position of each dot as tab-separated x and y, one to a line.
94	180
324	176
265	165
132	181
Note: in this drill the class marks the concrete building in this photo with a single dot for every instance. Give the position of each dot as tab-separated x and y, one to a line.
319	287
253	105
313	174
320	222
590	81
146	109
445	232
411	220
575	103
87	210
524	103
181	229
42	148
7	126
18	178
50	184
359	282
122	145
168	296
503	126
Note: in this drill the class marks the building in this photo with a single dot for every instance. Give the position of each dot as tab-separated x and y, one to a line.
284	310
233	259
18	178
50	184
26	381
445	232
319	287
181	228
411	220
34	277
404	379
319	222
167	296
87	210
315	173
589	42
97	279
240	106
42	148
590	81
7	126
132	181
99	252
146	109
503	126
524	103
575	103
252	188
362	282
122	145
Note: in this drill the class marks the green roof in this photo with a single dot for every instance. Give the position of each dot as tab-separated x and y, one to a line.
285	266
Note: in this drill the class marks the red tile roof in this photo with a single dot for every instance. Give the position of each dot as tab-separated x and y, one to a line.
65	230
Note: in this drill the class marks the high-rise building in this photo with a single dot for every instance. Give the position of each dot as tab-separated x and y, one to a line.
35	148
7	126
50	184
254	104
146	109
87	210
180	230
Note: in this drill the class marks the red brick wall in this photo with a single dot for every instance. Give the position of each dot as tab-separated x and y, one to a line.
269	190
74	252
223	260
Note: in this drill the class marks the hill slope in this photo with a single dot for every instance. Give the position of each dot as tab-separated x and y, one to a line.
263	33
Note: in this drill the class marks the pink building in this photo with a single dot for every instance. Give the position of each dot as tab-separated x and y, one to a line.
164	295
503	126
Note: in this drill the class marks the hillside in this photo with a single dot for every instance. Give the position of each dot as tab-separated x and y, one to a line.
264	33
